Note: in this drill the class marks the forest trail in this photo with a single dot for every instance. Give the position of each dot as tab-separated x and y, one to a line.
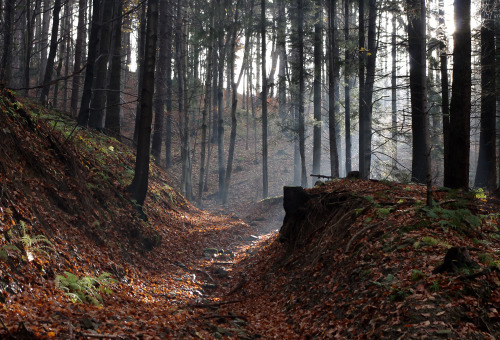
77	262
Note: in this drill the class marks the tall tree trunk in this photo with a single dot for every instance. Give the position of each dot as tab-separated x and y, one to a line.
139	186
394	84
5	67
52	53
303	172
113	108
28	42
265	180
168	88
445	99
318	49
332	98
362	90
80	32
457	172
220	106
486	167
281	47
417	47
161	81
347	88
205	113
44	44
98	101
140	68
365	120
84	113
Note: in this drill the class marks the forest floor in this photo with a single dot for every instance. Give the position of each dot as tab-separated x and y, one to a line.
77	262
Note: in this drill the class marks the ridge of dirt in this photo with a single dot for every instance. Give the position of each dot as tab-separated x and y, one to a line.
373	278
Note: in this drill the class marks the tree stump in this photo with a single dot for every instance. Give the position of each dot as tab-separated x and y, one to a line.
455	259
294	203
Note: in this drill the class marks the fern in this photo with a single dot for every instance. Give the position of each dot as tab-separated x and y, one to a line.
85	289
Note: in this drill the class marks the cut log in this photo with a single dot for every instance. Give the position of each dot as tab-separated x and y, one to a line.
294	203
455	259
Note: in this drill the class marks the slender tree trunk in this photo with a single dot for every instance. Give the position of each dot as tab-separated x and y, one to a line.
486	167
281	47
347	88
140	68
5	67
394	84
457	172
84	113
318	49
52	53
80	32
419	114
139	186
332	98
206	110
98	101
44	45
362	91
28	43
265	180
168	88
161	82
303	177
113	109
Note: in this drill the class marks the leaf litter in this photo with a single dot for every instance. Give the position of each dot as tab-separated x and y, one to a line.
188	273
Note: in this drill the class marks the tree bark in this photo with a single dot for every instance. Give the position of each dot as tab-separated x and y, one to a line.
417	47
303	172
113	108
318	49
332	97
52	53
347	89
161	81
265	180
139	186
98	101
84	113
457	172
75	90
486	167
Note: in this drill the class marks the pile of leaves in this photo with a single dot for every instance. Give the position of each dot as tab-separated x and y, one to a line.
374	277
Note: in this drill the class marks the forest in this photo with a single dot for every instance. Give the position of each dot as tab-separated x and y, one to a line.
345	154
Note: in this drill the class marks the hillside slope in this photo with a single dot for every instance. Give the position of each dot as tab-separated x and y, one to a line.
64	208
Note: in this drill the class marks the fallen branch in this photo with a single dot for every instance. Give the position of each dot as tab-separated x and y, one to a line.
225	317
216	304
6	328
102	336
359	233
